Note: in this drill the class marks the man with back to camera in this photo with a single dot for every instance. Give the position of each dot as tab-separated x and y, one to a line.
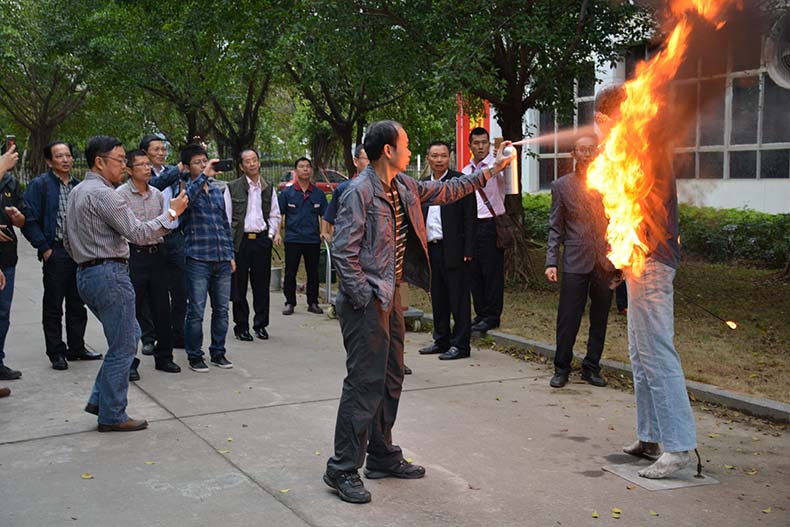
46	199
488	264
98	225
254	216
209	260
450	231
301	207
578	222
379	242
330	216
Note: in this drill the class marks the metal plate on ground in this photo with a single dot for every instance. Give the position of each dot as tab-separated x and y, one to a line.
681	479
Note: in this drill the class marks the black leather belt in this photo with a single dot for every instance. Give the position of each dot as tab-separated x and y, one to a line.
145	249
435	241
485	219
100	261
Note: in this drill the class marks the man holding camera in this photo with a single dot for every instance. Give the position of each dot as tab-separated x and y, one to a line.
99	227
209	259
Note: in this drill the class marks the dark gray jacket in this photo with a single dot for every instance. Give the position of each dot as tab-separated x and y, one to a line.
578	222
363	248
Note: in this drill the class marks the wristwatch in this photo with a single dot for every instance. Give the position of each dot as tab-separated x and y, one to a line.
173	214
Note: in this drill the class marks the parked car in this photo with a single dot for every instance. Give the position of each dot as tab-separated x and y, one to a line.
325	179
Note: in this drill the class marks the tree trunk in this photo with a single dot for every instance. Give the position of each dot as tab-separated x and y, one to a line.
39	138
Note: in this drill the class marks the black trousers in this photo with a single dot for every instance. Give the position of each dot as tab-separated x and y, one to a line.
293	253
488	275
176	285
449	296
574	290
253	265
621	296
149	279
60	283
373	338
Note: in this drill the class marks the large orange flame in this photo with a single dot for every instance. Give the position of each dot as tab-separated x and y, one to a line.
623	172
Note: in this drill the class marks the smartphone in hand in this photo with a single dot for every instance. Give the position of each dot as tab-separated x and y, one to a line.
223	165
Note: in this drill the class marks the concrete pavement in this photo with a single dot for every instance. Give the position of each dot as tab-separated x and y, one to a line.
248	446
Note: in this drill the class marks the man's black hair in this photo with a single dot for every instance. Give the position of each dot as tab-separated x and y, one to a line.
48	149
131	156
100	145
296	164
379	134
188	152
358	150
479	131
250	150
146	141
439	143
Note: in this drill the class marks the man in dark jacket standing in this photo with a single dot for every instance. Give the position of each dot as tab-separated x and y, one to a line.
577	221
450	231
379	242
46	198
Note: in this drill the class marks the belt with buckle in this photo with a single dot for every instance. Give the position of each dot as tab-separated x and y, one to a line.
144	249
436	241
100	261
254	235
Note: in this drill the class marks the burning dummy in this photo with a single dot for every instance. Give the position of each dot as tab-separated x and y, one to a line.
663	412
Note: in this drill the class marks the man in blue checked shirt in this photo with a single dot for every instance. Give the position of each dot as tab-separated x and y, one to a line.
209	259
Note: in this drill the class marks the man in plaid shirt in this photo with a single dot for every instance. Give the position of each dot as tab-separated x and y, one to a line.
209	259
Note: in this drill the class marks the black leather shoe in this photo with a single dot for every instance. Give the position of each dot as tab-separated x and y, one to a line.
60	364
558	381
403	470
244	335
168	367
148	349
83	355
315	308
431	350
454	353
349	486
288	309
593	378
92	408
480	327
261	333
8	374
134	375
406	370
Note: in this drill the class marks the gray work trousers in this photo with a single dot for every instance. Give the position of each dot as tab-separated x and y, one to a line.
373	338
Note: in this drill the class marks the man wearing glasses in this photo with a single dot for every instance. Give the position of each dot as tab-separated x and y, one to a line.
578	222
147	265
209	260
46	198
99	228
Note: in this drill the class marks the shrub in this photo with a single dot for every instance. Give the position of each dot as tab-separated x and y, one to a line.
715	235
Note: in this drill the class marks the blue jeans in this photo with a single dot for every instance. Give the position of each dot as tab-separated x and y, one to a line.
663	411
6	296
107	291
212	279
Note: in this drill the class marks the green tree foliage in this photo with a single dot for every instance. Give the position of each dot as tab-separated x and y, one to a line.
40	85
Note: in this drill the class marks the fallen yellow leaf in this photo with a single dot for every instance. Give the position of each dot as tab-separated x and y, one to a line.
714	435
630	487
616	515
750	472
653	513
317	452
729	467
150	462
410	460
595	514
223	451
498	399
230	440
755	438
767	511
284	491
87	476
616	511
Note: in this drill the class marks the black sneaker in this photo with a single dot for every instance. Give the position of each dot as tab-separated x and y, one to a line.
7	374
403	470
222	362
198	365
349	486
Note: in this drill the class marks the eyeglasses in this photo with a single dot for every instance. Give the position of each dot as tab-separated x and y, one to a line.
121	160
